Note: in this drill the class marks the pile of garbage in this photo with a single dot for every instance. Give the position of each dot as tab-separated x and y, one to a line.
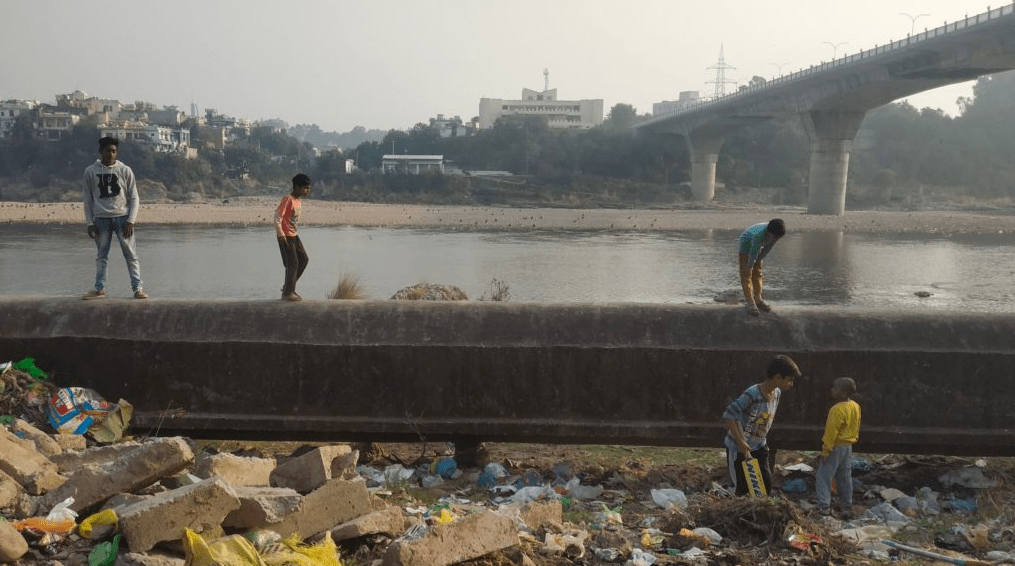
76	489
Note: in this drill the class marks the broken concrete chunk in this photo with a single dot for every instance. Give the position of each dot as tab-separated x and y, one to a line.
70	442
150	559
308	472
44	444
388	521
36	473
12	545
237	470
262	506
131	470
10	490
334	503
471	537
163	517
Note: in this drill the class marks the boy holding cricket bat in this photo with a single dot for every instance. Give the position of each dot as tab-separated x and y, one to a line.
748	419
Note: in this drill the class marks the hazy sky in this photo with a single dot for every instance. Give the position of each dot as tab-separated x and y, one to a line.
393	63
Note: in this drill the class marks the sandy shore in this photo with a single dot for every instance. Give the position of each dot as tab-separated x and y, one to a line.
250	211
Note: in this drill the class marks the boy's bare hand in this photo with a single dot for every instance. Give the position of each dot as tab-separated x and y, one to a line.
128	230
93	232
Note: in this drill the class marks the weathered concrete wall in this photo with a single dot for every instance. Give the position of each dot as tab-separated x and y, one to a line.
641	374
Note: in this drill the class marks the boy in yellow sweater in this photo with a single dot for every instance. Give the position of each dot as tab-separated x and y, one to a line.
842	430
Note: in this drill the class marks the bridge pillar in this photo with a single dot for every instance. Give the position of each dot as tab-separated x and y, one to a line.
831	133
704	154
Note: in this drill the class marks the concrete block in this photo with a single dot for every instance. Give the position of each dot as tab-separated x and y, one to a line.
44	444
262	506
334	503
236	470
535	515
388	521
72	460
149	559
129	471
467	538
165	516
67	442
29	468
308	472
12	544
344	466
10	490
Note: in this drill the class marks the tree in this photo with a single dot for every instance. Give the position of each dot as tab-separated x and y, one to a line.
621	117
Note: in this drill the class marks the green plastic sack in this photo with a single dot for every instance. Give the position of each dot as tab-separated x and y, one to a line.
104	553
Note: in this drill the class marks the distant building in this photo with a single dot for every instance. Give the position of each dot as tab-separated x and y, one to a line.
414	164
53	125
450	127
163	139
562	114
686	99
9	112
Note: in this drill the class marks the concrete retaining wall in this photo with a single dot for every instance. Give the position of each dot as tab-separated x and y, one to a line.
637	374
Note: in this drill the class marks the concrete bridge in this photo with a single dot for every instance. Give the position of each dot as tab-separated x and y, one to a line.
931	382
833	98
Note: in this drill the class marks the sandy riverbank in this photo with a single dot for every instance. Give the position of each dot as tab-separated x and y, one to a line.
250	211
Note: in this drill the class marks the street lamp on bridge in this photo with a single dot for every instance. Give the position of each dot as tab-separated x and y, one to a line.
912	20
779	67
835	47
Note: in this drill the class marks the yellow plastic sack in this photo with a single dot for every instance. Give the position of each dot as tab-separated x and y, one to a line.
292	551
233	550
99	524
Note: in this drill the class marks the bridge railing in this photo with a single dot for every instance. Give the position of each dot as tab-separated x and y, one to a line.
892	45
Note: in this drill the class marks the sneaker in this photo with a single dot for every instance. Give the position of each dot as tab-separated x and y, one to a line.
140	294
753	310
94	294
291	297
298	297
763	306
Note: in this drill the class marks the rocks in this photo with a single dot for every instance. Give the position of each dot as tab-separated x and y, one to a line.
12	545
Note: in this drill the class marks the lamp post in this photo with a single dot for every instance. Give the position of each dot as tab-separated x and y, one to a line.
835	47
912	20
779	67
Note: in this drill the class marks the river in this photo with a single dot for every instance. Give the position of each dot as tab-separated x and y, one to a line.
972	273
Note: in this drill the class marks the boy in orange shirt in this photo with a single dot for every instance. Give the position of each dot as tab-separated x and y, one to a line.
842	430
287	219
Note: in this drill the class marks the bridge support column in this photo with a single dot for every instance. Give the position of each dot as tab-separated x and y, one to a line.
831	133
704	154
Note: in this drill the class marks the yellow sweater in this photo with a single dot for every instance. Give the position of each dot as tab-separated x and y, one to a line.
842	425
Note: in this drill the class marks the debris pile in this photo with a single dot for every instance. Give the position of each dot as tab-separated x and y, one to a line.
83	494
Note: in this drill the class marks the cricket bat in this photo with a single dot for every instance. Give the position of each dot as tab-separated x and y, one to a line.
752	472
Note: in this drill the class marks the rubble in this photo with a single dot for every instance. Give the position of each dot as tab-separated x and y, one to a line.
430	510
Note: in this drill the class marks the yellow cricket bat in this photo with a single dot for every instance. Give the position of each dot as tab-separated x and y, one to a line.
752	472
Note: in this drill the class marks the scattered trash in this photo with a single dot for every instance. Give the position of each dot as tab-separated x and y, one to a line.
804	541
934	555
640	557
99	525
28	366
571	546
799	467
104	553
666	498
444	467
795	485
969	476
610	516
927	501
72	410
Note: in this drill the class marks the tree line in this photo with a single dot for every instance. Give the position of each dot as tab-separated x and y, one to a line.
898	146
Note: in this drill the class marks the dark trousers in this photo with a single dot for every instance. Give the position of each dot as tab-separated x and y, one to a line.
761	455
295	260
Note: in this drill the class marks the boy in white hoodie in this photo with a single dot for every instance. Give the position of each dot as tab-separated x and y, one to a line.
111	203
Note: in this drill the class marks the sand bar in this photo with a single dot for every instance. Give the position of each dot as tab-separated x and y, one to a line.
252	211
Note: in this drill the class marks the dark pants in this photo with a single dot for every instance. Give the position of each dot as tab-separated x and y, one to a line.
761	455
295	260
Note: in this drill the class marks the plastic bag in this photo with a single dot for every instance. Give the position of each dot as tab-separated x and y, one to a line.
98	525
72	410
104	553
28	366
232	550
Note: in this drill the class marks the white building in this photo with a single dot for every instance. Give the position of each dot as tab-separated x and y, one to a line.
449	127
161	138
54	125
563	114
687	98
414	164
9	112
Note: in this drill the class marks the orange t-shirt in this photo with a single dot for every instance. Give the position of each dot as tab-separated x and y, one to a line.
287	216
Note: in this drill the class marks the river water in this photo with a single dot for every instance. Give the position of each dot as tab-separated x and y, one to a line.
972	273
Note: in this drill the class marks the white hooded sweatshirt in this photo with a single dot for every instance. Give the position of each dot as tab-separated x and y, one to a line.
110	192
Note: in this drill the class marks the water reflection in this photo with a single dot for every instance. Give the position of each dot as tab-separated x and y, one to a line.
971	273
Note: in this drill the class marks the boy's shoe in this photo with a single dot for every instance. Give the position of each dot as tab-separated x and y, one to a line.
94	294
298	297
753	310
763	306
291	297
140	294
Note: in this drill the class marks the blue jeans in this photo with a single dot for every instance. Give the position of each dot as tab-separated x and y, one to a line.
107	227
838	464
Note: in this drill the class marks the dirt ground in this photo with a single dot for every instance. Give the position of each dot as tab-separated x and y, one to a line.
755	531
